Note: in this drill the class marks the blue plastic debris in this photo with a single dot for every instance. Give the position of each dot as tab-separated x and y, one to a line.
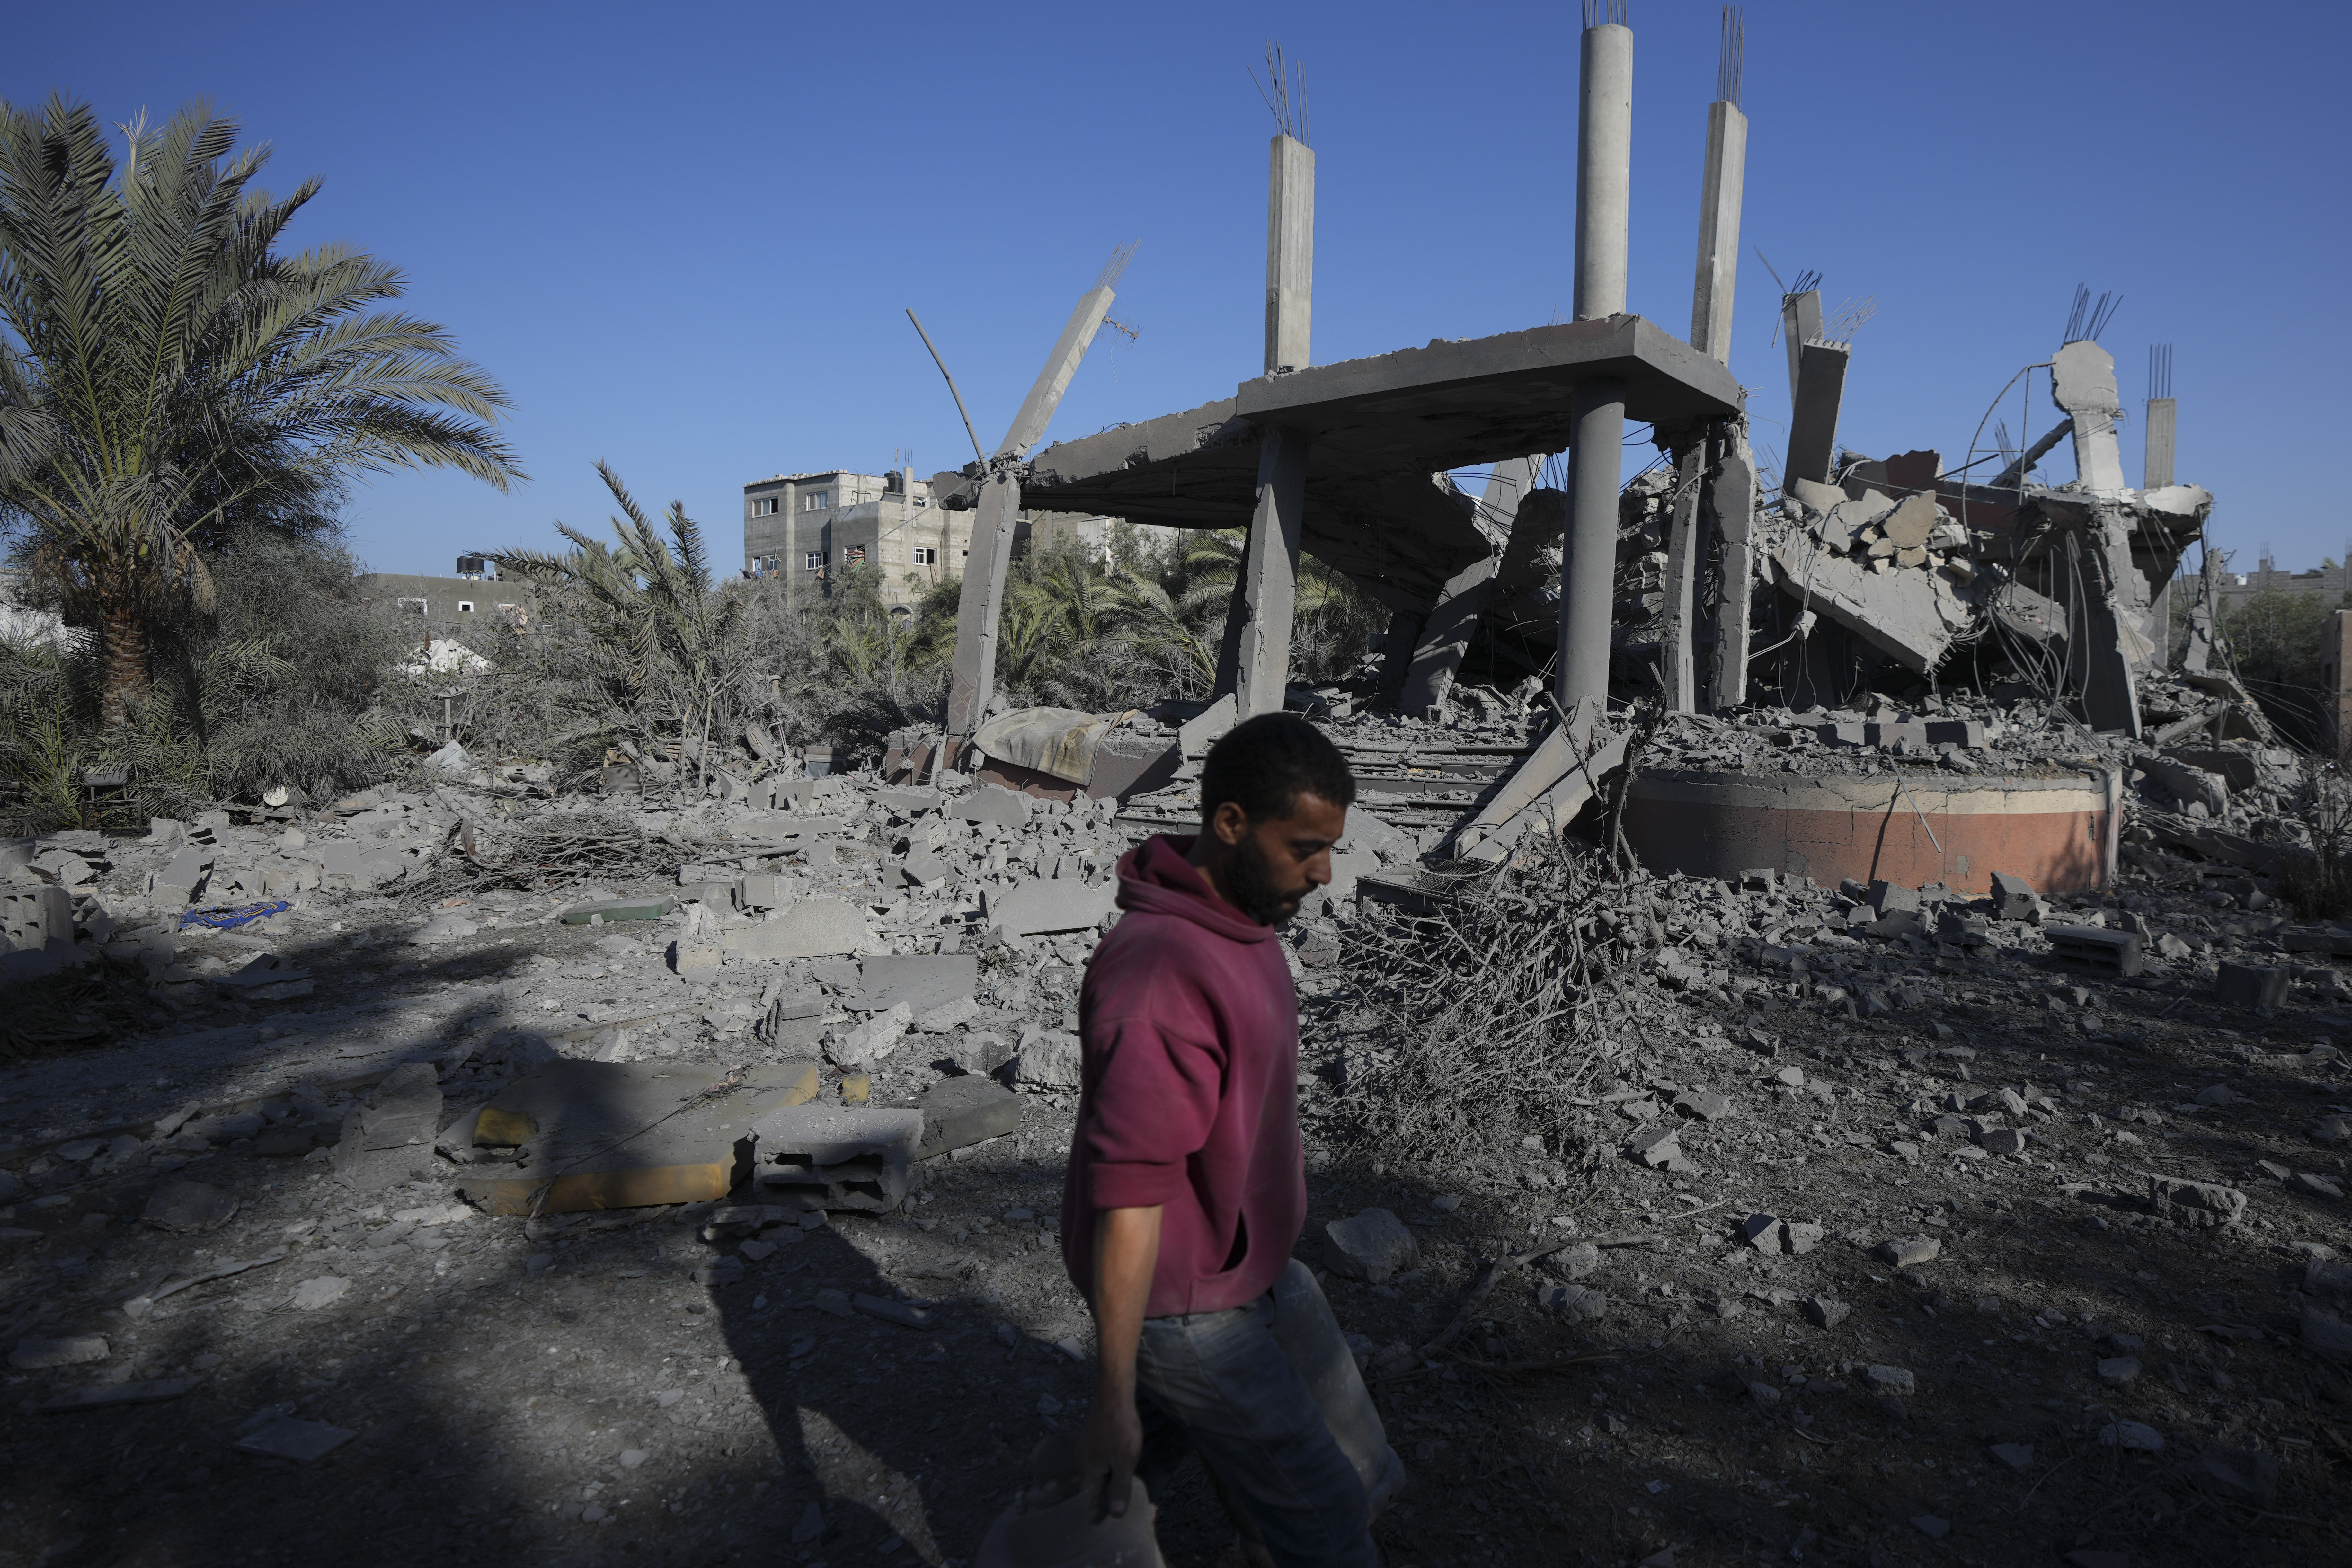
227	917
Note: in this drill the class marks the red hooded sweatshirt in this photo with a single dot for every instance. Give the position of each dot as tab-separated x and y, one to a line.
1189	1090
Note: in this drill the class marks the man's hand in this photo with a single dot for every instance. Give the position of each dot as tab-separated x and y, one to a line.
1126	1251
1108	1446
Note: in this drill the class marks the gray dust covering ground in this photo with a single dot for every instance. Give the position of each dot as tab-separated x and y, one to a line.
1956	1253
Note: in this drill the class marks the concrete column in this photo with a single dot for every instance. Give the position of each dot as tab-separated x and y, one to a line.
1269	579
1800	323
1731	507
1814	417
1588	562
2082	382
1289	254
2199	656
1718	230
972	680
1685	549
1604	170
792	573
2156	471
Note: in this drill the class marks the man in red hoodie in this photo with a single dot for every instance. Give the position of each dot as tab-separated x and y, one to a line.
1186	1188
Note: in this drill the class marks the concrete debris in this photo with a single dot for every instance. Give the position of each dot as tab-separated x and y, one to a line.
1373	1245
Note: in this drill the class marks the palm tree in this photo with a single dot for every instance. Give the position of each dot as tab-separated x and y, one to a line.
661	640
167	376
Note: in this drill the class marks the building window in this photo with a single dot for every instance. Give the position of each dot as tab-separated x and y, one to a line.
816	500
854	555
813	561
763	505
412	606
464	606
925	555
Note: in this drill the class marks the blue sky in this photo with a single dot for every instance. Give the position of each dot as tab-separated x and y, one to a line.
683	236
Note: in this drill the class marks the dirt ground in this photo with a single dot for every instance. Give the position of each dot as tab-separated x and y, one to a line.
589	1390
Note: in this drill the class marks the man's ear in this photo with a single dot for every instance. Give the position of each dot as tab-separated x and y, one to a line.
1230	824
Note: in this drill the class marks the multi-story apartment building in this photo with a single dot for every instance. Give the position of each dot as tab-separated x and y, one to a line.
800	528
449	605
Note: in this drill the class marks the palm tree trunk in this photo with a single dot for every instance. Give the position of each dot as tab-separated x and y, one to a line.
126	664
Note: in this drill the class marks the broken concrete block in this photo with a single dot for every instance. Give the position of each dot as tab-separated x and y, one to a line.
989	804
1575	1262
1826	1311
2117	1371
1890	898
2326	1333
923	983
944	1017
2118	950
609	1135
2257	987
2241	1475
839	1157
1048	1059
980	1051
696	957
2195	1204
812	928
392	1140
962	1112
290	1437
1655	1146
2187	783
1045	907
1703	1103
615	910
2332	1130
2012	897
874	1039
1800	1236
1372	1246
764	890
1891	1380
1577	1303
1205	728
2008	1141
1762	1232
189	1208
74	1350
1908	1252
325	1290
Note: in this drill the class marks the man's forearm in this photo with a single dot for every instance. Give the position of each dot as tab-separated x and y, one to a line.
1126	1251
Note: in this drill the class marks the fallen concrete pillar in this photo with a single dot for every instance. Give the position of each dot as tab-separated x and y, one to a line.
1269	579
1731	508
1553	757
1588	567
1800	323
2104	646
1445	635
2083	383
1813	414
2202	629
1604	170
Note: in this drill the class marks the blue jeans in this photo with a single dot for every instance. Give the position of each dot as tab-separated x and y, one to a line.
1218	1384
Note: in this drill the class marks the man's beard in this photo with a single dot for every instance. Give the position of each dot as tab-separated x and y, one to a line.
1249	879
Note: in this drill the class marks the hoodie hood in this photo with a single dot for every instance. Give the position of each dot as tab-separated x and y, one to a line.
1156	878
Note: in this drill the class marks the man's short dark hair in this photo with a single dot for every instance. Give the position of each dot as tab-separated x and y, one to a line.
1263	764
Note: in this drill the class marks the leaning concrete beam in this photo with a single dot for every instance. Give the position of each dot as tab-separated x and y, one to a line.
2113	652
2082	382
1800	323
2202	630
1555	755
1718	230
1813	420
973	679
1270	573
1731	504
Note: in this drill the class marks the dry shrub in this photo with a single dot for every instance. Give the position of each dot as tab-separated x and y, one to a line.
549	850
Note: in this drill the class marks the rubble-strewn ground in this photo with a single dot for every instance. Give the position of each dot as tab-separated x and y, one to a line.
588	1388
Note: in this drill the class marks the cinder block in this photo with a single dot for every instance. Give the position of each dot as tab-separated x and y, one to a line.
988	804
33	916
2012	897
2116	950
2256	986
848	1157
961	1111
